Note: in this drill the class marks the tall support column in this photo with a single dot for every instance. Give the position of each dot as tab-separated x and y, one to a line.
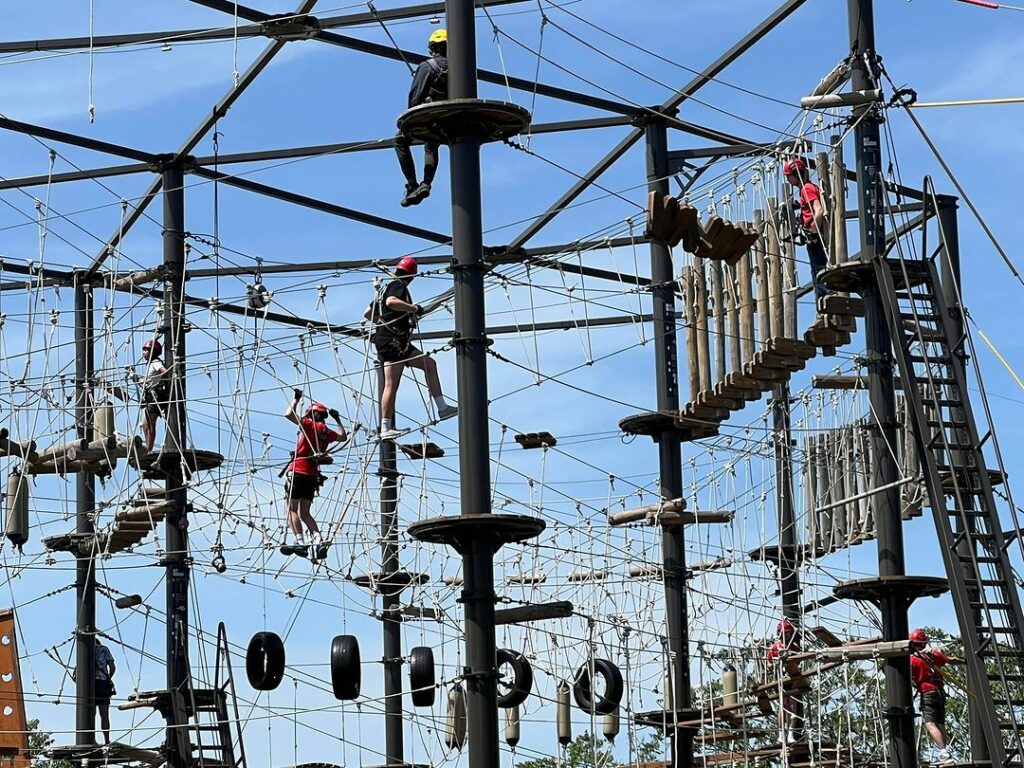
175	435
85	507
789	576
666	362
951	289
899	699
391	599
471	365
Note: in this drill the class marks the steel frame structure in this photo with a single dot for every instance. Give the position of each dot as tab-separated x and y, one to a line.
170	168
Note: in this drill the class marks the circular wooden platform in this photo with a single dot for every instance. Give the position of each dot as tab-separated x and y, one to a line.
156	464
389	583
852	276
440	122
872	590
654	424
459	531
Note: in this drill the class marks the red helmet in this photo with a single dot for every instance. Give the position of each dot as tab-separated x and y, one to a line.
152	345
316	407
918	636
794	165
406	264
784	627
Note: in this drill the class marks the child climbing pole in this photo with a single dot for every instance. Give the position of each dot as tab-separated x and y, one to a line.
394	316
812	218
429	83
787	642
155	390
303	473
926	672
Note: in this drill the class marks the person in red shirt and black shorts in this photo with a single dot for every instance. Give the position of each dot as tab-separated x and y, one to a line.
812	218
789	717
926	672
303	473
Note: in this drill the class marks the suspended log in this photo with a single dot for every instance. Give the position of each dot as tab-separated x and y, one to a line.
141	277
55	452
17	531
563	713
718	305
644	571
773	257
25	449
764	323
700	296
539	612
824	494
839	526
839	253
108	449
672	512
824	170
455	719
864	483
690	313
527	578
732	308
746	304
853	533
811	489
597	574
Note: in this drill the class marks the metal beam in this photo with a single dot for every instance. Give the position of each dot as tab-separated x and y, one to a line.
549	325
219	110
85	142
325	207
60	178
670	106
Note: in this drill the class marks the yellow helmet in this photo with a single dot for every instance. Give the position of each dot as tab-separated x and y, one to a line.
438	36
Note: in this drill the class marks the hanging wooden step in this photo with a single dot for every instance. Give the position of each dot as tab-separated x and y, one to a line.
422	450
669	512
841	305
531	440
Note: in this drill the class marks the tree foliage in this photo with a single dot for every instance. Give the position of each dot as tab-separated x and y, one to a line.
587	752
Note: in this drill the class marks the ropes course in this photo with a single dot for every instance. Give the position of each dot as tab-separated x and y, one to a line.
203	475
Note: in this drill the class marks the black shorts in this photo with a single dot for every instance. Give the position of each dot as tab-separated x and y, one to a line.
391	349
301	487
933	707
102	691
154	402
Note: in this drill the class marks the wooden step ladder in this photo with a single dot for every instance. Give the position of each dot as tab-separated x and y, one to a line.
930	356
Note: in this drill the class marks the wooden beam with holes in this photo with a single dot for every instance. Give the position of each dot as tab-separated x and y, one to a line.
13	723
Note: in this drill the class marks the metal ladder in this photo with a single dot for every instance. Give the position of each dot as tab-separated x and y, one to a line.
214	731
929	355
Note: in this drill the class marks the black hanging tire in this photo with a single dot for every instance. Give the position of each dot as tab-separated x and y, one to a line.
583	688
422	682
264	661
346	672
522	678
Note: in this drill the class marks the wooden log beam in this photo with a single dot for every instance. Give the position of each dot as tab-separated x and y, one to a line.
673	513
700	297
690	313
718	302
539	612
764	321
732	308
773	257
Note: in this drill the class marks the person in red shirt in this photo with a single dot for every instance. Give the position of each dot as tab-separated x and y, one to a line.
812	218
304	478
790	726
926	672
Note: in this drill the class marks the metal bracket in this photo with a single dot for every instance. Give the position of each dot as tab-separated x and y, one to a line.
291	27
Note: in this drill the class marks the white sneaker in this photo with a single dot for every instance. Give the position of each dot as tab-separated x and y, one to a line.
447	412
393	434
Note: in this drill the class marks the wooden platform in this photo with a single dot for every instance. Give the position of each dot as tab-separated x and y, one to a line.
422	450
156	464
131	525
114	753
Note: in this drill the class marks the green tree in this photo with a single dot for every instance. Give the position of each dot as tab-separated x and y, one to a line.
38	741
586	752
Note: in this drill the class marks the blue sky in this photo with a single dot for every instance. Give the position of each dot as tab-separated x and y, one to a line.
241	371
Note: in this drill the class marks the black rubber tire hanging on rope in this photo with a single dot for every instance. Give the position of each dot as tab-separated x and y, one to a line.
522	678
583	688
422	681
346	672
264	661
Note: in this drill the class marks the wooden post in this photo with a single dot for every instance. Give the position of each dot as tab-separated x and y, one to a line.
718	302
690	312
811	488
746	308
837	216
787	251
700	298
838	465
764	322
732	303
773	257
824	493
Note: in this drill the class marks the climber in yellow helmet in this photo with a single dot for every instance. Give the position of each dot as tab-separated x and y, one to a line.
429	83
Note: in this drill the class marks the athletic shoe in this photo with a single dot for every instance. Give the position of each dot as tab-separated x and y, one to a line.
410	195
447	412
393	434
418	195
321	550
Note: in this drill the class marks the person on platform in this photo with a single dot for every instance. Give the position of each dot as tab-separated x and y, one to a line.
787	642
303	473
926	673
155	390
429	83
812	224
103	685
394	316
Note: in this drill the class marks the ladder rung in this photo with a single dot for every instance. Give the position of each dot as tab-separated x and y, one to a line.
940	401
992	606
942	359
979	559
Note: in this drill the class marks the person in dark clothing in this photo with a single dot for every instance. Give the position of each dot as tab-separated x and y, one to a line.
394	317
429	83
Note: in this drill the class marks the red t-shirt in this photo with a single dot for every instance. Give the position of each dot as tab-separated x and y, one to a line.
778	647
927	676
808	194
314	438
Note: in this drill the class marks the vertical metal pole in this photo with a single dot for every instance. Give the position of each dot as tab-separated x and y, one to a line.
666	362
949	266
175	434
899	699
85	505
789	576
391	599
471	365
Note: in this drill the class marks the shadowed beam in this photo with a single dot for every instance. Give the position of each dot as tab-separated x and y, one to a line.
227	32
323	206
669	107
219	110
85	142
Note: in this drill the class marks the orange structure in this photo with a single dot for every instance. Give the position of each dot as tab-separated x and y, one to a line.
13	725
